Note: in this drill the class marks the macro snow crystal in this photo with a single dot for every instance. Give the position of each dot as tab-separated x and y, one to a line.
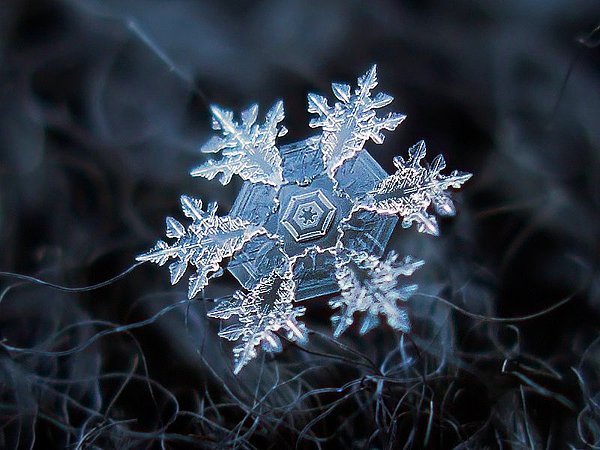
313	218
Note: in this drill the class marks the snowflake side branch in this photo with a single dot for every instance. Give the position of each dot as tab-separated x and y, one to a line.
371	286
205	243
248	149
261	312
413	188
352	121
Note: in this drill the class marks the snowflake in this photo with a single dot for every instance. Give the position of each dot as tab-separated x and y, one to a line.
313	218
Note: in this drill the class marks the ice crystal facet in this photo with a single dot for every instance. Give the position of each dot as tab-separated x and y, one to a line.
313	218
352	121
411	190
204	244
371	285
265	310
279	211
248	149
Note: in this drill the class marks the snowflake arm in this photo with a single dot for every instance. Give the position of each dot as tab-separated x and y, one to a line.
370	285
412	189
263	311
349	123
204	244
248	149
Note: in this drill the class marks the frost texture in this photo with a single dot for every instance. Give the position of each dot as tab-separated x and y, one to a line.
372	286
352	121
205	243
248	149
268	308
411	190
317	216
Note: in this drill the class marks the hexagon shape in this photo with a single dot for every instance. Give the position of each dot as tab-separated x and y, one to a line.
308	216
280	212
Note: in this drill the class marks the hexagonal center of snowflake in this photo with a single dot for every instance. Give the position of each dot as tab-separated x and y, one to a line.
308	216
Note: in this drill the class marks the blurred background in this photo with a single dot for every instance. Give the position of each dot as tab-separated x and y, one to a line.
103	107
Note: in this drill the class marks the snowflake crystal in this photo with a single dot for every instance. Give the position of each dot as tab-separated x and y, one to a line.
313	218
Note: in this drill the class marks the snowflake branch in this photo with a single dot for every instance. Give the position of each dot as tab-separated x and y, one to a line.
248	149
204	244
266	309
352	121
370	285
412	189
